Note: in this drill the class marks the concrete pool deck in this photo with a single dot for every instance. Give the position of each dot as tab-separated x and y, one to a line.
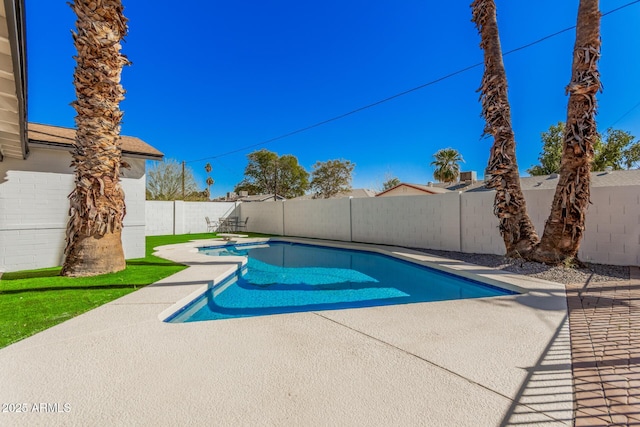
477	362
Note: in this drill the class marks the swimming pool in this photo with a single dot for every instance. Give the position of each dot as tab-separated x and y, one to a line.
284	277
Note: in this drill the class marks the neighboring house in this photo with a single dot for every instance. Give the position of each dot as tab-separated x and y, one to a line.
243	196
355	193
34	205
260	198
612	178
406	189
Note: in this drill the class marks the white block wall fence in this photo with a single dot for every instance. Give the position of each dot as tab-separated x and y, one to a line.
178	217
34	209
453	221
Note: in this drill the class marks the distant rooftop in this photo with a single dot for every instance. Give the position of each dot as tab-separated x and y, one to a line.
355	193
544	182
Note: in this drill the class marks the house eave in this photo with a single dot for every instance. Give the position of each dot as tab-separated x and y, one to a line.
13	108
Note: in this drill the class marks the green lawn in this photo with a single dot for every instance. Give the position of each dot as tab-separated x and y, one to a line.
34	300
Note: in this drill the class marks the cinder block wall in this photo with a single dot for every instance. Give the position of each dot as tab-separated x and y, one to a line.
322	219
179	217
158	218
34	209
413	221
193	215
264	217
612	234
455	221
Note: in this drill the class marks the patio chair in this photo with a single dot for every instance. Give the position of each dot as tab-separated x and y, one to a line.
211	225
224	225
242	224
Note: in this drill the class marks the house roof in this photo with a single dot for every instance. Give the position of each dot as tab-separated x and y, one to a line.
546	182
13	81
425	188
354	193
259	198
56	136
598	179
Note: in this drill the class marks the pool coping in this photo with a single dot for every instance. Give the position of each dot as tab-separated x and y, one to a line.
486	361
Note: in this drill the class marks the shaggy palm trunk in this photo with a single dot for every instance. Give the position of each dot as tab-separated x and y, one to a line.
566	223
93	243
502	173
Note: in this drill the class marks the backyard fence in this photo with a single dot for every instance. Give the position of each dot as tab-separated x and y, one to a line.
453	221
178	217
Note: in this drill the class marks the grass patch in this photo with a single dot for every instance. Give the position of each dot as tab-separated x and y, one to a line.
34	300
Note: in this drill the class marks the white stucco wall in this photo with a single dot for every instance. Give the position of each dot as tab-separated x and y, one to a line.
34	209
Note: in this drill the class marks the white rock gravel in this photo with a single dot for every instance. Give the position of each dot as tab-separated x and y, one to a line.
561	274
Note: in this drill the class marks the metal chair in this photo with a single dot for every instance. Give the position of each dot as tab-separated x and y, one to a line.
211	225
242	224
224	225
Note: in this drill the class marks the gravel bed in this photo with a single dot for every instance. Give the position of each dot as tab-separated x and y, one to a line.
566	275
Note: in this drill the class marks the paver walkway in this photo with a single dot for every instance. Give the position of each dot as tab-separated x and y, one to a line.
604	320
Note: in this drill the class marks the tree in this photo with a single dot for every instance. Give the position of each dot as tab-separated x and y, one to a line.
97	207
551	151
390	183
331	177
209	180
617	149
267	173
565	226
447	165
164	182
501	174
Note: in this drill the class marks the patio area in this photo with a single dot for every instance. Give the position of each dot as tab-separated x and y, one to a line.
479	362
605	338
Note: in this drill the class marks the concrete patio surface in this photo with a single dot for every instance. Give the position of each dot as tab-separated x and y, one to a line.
479	362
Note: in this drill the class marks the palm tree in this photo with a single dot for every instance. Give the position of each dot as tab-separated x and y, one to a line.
447	165
210	182
93	242
502	173
566	223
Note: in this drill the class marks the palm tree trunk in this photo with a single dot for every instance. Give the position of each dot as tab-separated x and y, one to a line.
502	173
93	244
565	226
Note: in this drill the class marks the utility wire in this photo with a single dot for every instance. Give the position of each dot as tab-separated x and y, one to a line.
397	95
625	114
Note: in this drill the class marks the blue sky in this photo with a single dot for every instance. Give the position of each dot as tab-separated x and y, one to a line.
210	77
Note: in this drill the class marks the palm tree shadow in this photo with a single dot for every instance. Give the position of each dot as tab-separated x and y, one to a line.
69	288
156	263
31	275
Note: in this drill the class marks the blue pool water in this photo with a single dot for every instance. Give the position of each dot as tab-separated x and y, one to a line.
286	277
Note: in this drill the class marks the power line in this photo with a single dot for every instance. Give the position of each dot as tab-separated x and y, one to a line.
397	95
625	114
